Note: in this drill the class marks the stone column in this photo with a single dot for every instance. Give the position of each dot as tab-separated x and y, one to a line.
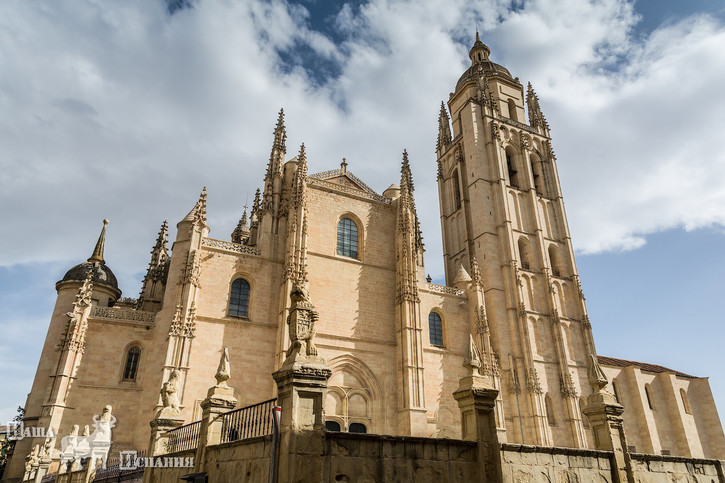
219	400
301	392
605	418
476	396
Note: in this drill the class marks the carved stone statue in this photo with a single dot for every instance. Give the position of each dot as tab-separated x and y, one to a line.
473	357
170	396
301	321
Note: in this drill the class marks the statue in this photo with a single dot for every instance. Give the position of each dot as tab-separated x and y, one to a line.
301	321
169	395
96	445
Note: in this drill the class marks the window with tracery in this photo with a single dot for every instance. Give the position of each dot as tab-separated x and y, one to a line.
347	236
239	298
435	329
130	369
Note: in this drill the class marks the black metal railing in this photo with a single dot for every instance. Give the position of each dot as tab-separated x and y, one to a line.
183	438
117	470
248	422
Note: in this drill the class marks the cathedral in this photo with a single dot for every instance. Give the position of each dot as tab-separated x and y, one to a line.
396	343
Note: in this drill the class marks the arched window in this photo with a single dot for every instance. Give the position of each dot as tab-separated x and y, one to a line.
347	238
685	401
358	428
513	177
456	191
557	268
332	426
239	298
130	369
537	170
550	416
435	329
648	393
524	253
512	110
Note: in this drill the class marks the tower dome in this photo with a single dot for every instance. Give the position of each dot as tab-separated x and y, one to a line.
482	65
102	275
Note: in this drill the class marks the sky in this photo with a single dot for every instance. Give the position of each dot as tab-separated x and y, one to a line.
125	110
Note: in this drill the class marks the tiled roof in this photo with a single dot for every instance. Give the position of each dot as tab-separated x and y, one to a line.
611	361
334	173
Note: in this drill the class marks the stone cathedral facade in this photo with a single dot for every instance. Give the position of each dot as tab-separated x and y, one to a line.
395	342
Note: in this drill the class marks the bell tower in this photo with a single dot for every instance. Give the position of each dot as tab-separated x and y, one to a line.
501	204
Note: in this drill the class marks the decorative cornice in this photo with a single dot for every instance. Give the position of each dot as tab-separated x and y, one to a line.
231	247
323	184
122	314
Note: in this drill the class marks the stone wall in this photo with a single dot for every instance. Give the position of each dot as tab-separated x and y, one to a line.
158	475
369	458
536	464
240	461
648	468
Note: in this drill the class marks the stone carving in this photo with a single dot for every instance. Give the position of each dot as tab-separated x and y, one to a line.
515	384
567	387
170	396
476	273
472	359
122	314
230	246
327	185
532	382
176	326
74	448
495	134
301	321
224	371
83	297
434	287
192	270
481	320
189	328
554	317
597	379
522	309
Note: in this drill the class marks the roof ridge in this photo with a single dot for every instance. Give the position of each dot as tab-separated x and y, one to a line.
646	366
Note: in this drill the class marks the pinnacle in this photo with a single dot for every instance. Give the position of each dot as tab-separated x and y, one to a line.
97	255
161	239
444	113
280	120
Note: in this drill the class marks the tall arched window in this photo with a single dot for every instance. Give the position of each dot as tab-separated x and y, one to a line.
347	238
524	253
130	369
456	191
435	329
513	177
239	298
557	268
550	416
537	170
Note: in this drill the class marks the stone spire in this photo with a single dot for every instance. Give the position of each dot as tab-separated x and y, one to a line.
299	183
273	177
444	129
407	199
241	232
97	256
154	282
536	117
198	212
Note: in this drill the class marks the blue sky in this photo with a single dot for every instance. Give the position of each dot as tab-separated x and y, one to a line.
123	110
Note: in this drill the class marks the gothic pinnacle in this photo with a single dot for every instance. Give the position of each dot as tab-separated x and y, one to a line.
161	240
242	229
444	130
406	178
97	256
198	212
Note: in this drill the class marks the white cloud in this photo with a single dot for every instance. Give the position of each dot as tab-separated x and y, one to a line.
117	110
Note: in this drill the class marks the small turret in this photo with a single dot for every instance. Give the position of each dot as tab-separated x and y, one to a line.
241	232
103	279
